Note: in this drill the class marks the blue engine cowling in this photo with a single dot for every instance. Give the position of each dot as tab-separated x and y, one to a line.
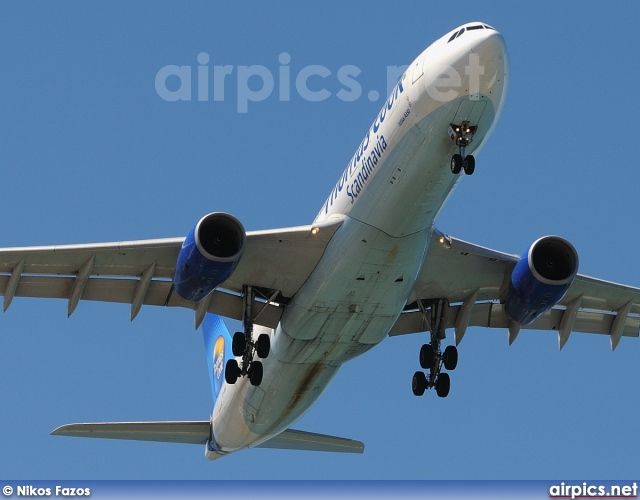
540	279
209	255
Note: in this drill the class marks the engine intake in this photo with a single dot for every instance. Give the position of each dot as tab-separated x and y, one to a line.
209	255
541	278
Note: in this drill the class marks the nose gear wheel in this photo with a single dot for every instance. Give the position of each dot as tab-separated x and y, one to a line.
463	136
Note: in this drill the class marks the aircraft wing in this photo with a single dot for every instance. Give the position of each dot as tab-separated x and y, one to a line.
475	279
141	272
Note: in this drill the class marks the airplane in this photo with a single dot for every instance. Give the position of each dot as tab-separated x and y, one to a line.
371	265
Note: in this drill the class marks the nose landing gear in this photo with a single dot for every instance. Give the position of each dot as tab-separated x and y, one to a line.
463	136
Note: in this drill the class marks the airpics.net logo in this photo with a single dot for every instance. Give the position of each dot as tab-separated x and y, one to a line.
256	83
588	490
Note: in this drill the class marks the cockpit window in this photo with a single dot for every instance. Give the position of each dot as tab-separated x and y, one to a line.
469	28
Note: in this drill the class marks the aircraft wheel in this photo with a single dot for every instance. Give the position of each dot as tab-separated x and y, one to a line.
469	164
231	371
419	383
456	164
427	356
450	357
238	343
263	345
255	373
443	384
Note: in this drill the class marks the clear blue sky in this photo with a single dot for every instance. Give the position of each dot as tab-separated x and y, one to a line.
90	152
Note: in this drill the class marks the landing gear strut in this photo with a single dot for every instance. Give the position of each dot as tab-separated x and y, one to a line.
463	135
244	346
431	356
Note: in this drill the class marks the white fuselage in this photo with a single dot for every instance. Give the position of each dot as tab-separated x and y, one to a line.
388	198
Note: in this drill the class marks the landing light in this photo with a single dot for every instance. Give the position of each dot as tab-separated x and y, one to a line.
315	230
445	241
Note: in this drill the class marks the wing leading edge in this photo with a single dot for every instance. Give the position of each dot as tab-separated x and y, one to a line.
141	272
474	280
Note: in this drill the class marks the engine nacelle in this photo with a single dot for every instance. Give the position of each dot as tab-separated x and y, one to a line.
541	278
209	255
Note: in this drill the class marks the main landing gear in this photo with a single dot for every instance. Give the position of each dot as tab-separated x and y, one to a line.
244	346
431	357
463	135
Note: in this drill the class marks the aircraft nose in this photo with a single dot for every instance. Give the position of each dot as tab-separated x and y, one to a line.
489	43
489	59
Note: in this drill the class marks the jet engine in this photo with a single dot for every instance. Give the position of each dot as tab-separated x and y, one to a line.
541	278
209	255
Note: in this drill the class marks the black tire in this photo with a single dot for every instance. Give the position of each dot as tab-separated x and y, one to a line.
238	343
469	165
456	164
443	384
255	373
263	345
231	371
450	357
427	356
419	383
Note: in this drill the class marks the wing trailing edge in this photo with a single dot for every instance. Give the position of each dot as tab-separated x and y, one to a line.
475	280
141	272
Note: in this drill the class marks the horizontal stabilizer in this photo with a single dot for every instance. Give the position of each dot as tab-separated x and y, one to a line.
309	441
197	432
